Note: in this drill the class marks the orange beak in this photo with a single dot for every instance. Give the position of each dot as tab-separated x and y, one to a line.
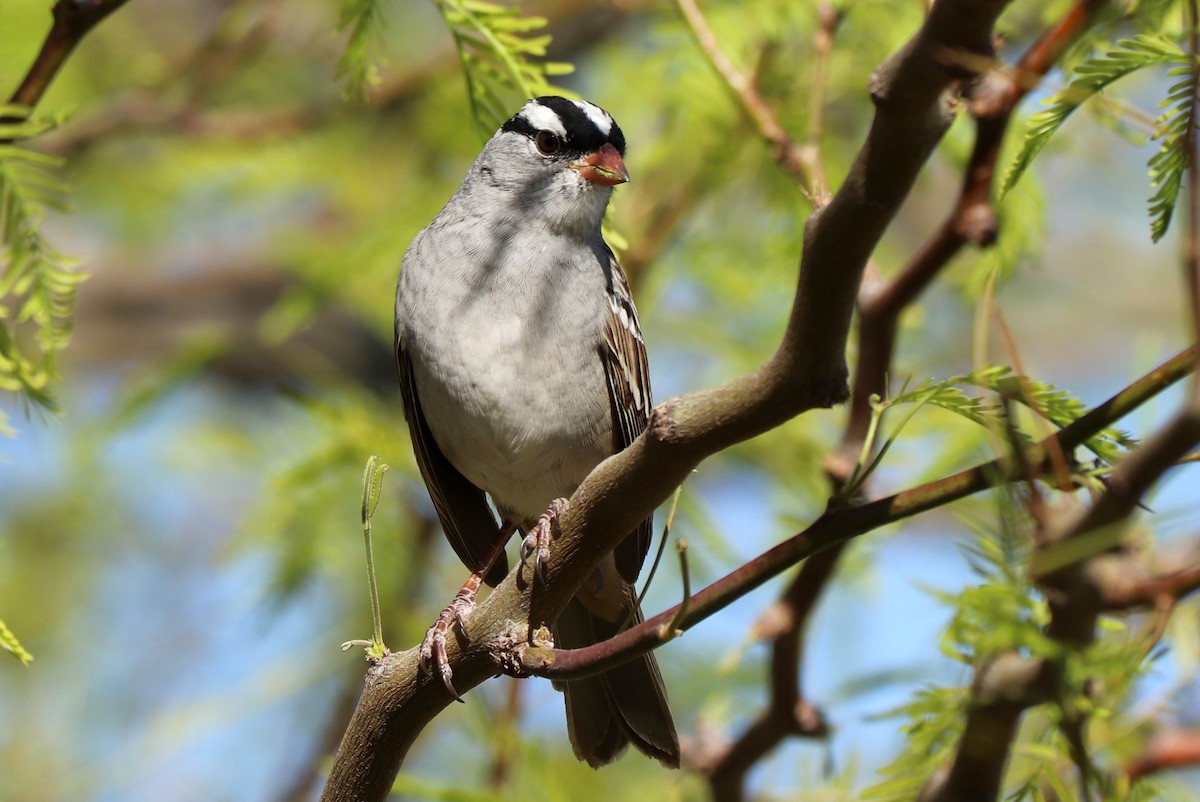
604	167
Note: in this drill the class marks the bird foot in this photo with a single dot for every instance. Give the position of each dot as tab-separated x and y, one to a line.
432	654
537	541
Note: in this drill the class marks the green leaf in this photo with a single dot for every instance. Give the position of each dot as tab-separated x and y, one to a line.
9	641
1057	406
501	58
1167	166
362	18
1093	75
37	284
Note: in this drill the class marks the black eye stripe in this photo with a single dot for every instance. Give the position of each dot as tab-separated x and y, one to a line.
582	135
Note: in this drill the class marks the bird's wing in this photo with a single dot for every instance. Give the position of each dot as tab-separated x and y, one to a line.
625	365
461	506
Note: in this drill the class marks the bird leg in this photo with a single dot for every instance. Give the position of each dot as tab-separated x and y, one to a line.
537	541
433	647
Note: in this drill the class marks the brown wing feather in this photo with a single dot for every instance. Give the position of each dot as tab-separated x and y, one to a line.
461	506
628	371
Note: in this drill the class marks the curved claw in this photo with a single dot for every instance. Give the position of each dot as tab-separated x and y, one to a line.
433	647
446	674
537	541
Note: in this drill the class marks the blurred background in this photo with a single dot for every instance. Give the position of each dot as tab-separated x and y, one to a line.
180	546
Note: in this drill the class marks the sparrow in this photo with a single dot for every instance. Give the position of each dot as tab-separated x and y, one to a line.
522	366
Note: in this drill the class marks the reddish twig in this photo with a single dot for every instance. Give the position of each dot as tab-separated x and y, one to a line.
829	19
1152	592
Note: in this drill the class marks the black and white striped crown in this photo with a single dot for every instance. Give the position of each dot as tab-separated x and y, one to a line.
583	127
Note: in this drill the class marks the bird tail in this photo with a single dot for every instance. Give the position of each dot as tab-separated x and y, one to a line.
626	704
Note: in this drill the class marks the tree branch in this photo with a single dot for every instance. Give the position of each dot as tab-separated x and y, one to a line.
807	371
787	712
971	220
72	21
991	102
841	524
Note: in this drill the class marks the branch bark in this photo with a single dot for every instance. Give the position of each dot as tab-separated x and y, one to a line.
807	371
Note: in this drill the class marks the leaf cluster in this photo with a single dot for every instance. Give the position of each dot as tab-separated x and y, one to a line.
1172	128
502	54
37	284
9	642
1055	405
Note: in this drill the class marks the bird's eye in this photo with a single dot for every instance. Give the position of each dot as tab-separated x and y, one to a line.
548	143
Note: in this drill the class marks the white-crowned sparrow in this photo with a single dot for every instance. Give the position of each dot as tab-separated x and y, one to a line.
522	367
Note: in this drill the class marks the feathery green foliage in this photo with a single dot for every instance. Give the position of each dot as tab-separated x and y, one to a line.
1006	614
1168	164
37	285
935	723
9	642
1002	613
1093	75
362	18
1055	405
502	55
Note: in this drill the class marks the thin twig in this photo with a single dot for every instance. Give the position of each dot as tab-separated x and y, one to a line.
829	18
672	628
790	155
